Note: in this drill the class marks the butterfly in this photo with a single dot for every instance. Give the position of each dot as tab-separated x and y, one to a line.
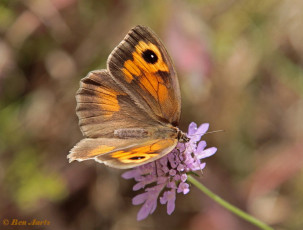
129	112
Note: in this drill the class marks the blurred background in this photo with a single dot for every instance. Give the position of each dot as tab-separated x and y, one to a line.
240	66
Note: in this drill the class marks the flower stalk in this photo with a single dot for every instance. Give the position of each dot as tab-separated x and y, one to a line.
227	205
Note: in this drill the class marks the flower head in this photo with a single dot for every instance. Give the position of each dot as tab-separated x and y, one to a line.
167	176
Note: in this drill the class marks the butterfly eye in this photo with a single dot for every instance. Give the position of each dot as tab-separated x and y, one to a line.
150	56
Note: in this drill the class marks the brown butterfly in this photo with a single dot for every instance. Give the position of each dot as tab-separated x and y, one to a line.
129	112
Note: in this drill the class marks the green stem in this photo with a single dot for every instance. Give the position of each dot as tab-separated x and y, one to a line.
228	206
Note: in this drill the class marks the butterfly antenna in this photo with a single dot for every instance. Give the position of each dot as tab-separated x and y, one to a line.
215	131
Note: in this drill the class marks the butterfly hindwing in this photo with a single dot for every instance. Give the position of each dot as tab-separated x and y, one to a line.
121	153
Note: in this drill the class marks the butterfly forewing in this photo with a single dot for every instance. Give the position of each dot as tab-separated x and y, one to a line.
142	66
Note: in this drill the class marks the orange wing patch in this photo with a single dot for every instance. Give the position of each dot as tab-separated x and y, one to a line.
162	93
147	72
142	154
94	96
130	69
108	101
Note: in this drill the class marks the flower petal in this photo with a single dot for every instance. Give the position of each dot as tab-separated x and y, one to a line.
140	199
207	153
198	166
171	201
164	198
130	174
172	172
183	187
147	208
201	147
202	129
183	177
192	128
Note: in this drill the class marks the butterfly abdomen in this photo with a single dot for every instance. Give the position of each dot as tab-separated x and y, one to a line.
131	133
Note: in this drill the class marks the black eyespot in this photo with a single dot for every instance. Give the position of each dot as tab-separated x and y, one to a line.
137	158
150	56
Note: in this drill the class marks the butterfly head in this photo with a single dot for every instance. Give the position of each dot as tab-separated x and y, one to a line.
182	137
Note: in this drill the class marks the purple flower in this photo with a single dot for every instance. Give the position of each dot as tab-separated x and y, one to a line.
167	176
